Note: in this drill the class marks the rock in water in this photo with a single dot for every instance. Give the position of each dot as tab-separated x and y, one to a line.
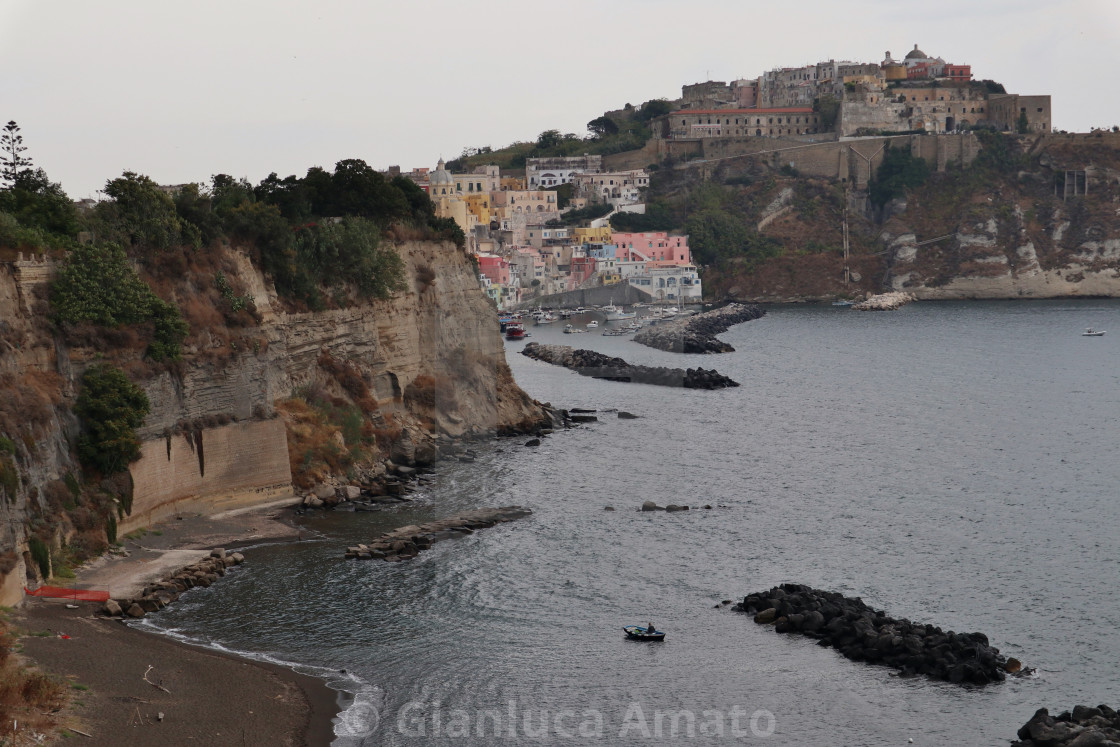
697	333
599	366
861	633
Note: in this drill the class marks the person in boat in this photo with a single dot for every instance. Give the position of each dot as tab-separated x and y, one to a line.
651	629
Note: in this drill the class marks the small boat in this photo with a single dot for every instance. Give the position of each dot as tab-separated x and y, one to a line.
592	324
565	314
639	633
570	330
842	302
613	332
580	310
1090	332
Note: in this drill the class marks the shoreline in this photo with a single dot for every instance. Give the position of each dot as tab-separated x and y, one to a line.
214	696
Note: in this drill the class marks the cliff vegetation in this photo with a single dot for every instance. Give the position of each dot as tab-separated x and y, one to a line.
168	322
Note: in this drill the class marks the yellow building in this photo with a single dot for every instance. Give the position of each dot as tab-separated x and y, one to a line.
601	235
481	207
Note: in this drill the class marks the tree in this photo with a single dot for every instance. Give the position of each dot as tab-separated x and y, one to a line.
549	139
653	109
141	212
11	146
602	126
111	408
1023	125
38	203
829	109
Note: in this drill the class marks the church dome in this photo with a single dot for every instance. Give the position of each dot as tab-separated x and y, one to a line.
916	54
440	175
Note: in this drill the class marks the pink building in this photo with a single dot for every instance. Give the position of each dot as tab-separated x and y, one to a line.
582	269
652	246
494	267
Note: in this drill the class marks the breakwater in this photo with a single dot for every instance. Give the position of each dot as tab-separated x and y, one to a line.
861	633
600	366
409	541
1085	726
697	333
156	596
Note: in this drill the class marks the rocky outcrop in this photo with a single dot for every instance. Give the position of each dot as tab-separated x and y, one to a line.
599	366
884	302
697	333
1085	726
156	596
861	633
409	541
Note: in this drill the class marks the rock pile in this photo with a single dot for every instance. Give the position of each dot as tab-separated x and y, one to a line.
162	593
697	334
1084	727
407	542
599	366
861	633
885	302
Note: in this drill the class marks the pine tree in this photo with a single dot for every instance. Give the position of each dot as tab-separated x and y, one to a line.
11	146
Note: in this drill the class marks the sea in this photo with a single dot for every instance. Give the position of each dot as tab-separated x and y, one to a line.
953	463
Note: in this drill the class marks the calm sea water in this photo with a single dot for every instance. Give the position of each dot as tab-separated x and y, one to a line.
953	463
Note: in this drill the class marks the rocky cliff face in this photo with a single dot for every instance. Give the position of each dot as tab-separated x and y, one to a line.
426	366
1042	221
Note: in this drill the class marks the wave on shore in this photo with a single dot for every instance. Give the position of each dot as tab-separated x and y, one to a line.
358	701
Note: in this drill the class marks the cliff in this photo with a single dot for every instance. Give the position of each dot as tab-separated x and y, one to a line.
292	397
1036	219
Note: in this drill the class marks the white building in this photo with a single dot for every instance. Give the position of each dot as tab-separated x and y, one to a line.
679	283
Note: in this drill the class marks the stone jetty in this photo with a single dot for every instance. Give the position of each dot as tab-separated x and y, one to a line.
885	302
599	366
697	333
1085	726
861	633
162	593
408	542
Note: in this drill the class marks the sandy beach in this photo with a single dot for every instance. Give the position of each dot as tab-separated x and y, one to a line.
192	695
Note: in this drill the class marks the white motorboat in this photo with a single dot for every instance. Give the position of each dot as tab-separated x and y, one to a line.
592	324
615	314
1090	332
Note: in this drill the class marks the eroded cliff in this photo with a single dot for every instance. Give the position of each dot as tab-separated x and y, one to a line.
294	396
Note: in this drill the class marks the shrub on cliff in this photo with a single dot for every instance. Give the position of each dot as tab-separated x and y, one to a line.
111	408
98	285
349	251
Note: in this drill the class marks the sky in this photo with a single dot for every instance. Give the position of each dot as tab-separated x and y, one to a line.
183	91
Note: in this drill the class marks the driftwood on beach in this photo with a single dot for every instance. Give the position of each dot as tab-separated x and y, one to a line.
697	333
600	366
409	541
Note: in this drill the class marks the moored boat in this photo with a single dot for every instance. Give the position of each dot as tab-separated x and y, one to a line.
516	331
615	314
639	633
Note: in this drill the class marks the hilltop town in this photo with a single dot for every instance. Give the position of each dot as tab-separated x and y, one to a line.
548	229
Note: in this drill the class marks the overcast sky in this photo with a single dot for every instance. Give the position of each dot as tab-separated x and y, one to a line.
182	91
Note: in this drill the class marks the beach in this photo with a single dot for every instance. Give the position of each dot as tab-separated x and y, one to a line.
130	687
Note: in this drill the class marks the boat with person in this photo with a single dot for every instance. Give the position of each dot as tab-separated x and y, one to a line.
640	633
516	331
1090	332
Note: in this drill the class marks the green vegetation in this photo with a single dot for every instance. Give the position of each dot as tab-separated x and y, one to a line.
12	160
9	478
111	408
589	213
98	285
40	554
143	216
898	172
